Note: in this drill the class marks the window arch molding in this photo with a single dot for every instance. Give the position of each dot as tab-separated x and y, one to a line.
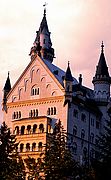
35	90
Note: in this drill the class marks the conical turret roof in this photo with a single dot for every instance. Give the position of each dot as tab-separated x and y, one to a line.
7	86
68	75
102	69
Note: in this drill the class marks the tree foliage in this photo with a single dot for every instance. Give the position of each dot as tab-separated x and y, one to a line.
102	164
58	160
11	165
34	168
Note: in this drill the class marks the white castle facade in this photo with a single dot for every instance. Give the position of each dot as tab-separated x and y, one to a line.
44	93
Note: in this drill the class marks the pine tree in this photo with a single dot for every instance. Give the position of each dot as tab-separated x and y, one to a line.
58	160
34	168
11	165
102	164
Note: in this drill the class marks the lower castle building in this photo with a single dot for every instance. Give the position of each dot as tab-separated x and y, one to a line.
44	93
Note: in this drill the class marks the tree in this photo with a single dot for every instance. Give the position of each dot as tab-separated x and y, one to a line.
34	168
11	164
58	160
102	164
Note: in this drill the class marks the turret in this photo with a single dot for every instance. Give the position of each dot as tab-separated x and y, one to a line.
102	80
42	44
68	82
6	90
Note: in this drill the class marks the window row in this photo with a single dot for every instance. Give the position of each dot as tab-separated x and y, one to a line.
76	115
32	147
83	134
35	91
51	111
33	113
16	115
84	118
29	129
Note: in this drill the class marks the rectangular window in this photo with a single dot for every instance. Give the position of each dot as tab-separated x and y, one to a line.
83	117
75	113
92	122
97	124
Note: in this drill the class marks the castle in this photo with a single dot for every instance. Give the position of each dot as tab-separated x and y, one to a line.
44	93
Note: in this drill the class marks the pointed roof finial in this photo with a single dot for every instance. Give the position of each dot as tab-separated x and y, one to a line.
102	47
8	73
44	5
68	63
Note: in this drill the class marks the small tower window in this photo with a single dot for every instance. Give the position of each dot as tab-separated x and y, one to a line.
22	130
27	147
40	146
83	117
34	128
82	134
33	146
75	130
75	113
21	147
41	128
44	41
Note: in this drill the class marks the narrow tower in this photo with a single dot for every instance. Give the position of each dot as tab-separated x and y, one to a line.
42	44
102	80
68	81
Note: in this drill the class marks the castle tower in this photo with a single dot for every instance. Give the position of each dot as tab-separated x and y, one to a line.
68	81
42	44
102	80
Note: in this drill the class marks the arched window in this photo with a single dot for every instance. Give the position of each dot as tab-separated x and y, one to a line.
40	146
19	114
17	130
34	128
22	130
48	111
35	90
92	138
83	117
75	130
27	147
92	153
21	147
75	113
29	129
82	134
84	153
41	128
33	113
14	115
33	146
54	110
75	148
51	111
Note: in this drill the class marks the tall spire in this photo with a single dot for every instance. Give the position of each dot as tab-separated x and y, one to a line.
102	47
6	89
7	86
102	80
102	69
42	44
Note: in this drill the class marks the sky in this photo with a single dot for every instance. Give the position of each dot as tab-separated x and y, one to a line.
77	29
